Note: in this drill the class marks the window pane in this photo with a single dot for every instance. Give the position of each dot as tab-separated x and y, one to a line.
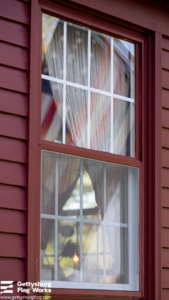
51	111
77	55
93	208
89	74
124	128
52	46
124	68
100	61
76	117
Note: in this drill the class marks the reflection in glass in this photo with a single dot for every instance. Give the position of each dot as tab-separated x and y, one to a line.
89	201
76	117
100	122
124	128
92	253
77	55
124	68
47	249
68	247
51	111
100	61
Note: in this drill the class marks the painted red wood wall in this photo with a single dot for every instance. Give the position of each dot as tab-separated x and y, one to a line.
14	65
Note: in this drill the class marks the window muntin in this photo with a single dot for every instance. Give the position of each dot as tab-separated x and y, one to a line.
89	209
95	73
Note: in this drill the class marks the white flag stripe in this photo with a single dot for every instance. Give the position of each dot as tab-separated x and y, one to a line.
6	287
6	282
8	291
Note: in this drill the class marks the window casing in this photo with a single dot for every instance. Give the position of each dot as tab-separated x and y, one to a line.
115	246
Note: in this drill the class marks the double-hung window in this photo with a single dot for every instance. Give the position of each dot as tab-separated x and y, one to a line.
89	174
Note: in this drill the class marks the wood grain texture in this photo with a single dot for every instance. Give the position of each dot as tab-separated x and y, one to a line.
12	79
13	126
165	97
165	59
13	56
14	10
165	217
13	103
165	43
12	197
165	177
12	245
12	221
165	137
12	269
165	118
165	79
164	237
165	158
13	33
165	278
12	173
12	150
165	258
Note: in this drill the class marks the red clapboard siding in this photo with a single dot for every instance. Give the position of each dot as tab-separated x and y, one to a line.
165	158
12	269
13	33
14	103
165	294
12	79
164	237
165	177
165	79
12	197
165	43
15	293
12	150
12	245
14	10
12	173
165	59
165	217
165	197
165	258
13	126
165	118
13	56
12	221
165	278
165	97
165	137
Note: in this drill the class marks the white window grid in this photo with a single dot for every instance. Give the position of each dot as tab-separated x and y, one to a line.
89	88
133	230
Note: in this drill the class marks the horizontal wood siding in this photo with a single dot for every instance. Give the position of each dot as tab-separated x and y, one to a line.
165	169
14	29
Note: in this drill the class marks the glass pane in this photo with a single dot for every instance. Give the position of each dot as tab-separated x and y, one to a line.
68	251
100	110
100	61
47	271
117	258
51	111
52	46
124	68
68	186
124	128
76	117
92	190
77	55
92	253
